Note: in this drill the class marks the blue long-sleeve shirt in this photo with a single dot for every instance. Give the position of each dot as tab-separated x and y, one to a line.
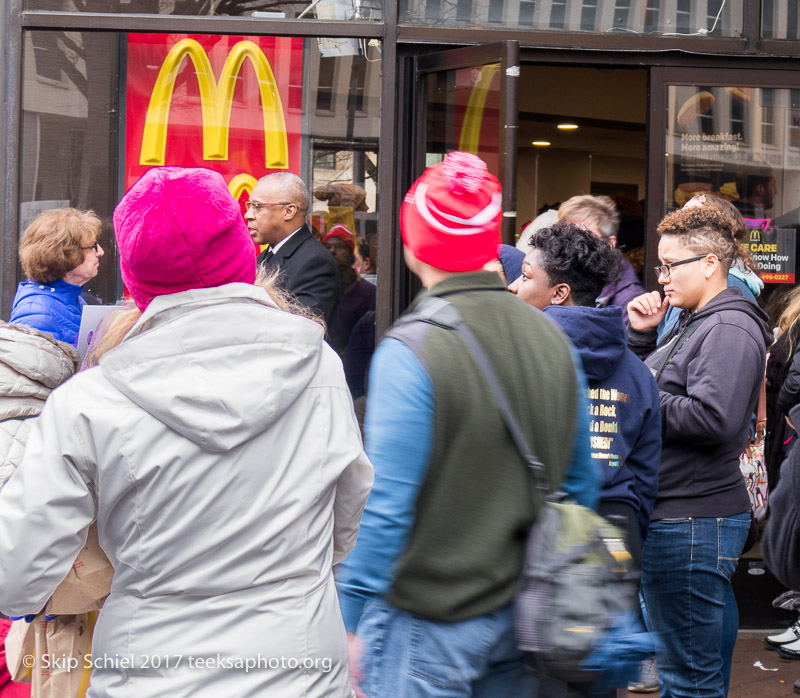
401	402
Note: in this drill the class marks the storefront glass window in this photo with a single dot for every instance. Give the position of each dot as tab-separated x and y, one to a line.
780	19
697	18
257	9
94	123
741	144
70	133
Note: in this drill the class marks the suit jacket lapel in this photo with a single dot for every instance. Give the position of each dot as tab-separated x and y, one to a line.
291	245
286	250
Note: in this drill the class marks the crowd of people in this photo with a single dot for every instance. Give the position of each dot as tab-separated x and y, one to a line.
213	436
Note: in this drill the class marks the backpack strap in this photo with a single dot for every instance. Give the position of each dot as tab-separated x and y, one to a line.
440	313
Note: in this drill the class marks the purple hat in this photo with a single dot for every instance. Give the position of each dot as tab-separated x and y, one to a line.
178	229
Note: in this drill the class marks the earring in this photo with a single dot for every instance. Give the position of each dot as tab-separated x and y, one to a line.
552	301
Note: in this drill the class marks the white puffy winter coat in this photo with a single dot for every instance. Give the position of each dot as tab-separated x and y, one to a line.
32	363
218	450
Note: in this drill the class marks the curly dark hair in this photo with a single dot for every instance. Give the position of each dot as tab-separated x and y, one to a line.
573	256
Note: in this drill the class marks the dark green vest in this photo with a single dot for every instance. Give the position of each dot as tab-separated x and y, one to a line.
476	503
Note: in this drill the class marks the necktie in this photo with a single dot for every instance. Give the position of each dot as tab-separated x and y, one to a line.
270	254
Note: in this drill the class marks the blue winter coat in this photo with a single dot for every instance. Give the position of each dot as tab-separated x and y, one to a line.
625	419
55	308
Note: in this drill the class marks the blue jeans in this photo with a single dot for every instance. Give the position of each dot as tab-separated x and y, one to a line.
406	656
686	583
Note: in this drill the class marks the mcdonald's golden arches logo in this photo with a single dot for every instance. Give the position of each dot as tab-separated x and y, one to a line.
216	98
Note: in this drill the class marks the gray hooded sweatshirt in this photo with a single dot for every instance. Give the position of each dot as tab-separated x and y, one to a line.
708	392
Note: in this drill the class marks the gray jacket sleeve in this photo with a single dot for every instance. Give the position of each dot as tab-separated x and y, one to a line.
45	512
642	342
714	406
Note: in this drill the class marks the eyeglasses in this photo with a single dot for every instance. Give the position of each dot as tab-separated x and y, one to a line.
257	206
92	247
666	269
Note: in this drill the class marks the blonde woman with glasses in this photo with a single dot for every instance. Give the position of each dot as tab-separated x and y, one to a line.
709	369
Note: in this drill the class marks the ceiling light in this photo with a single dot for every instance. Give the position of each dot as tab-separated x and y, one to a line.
540	143
568	127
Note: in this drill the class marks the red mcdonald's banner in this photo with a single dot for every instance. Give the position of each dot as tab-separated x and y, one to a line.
229	103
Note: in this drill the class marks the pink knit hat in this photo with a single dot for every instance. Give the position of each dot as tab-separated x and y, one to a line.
178	229
450	217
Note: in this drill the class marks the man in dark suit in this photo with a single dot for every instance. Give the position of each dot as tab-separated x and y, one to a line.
276	215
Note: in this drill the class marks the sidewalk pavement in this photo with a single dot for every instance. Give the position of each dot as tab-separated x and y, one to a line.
750	681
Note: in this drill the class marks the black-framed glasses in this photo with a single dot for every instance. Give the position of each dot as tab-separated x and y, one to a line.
92	247
257	205
666	269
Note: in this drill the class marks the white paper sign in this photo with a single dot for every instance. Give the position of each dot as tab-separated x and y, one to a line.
91	317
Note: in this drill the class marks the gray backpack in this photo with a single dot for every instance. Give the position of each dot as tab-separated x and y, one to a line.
577	580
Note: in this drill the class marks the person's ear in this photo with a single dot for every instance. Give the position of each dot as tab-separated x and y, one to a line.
711	264
612	240
411	261
290	212
560	294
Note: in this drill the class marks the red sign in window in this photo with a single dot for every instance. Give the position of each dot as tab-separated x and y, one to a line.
229	103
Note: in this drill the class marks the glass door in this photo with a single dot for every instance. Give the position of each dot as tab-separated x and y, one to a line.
467	99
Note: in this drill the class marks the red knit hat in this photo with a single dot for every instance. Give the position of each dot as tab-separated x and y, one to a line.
178	229
451	216
342	231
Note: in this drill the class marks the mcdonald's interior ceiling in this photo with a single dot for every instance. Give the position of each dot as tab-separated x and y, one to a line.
609	106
